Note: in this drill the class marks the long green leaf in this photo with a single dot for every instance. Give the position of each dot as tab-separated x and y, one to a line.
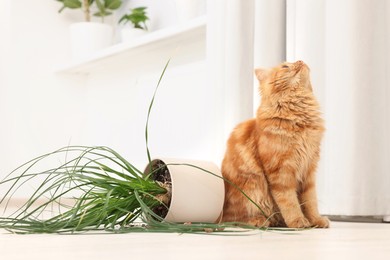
150	109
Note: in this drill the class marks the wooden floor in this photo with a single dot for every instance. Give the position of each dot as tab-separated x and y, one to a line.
341	241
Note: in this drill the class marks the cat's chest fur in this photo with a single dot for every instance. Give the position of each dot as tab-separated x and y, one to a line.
284	144
306	148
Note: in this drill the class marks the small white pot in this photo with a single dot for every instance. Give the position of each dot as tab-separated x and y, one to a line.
189	9
88	37
129	34
197	196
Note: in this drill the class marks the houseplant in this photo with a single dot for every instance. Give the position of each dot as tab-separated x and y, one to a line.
110	194
138	18
87	37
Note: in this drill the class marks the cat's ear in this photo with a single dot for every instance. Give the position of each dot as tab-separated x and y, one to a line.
261	74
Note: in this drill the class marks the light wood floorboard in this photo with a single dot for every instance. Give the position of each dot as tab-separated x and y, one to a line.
341	241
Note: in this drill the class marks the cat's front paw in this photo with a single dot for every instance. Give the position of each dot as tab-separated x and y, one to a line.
300	222
320	222
259	222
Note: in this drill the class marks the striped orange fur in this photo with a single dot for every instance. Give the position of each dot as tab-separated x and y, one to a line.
273	157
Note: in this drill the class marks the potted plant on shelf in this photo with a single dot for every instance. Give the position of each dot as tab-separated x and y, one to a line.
87	37
138	18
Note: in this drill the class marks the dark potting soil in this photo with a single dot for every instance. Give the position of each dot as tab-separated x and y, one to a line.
162	175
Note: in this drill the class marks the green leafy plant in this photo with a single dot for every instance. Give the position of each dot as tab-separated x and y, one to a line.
110	194
137	17
104	7
114	193
107	193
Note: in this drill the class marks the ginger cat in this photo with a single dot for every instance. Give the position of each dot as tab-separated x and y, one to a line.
273	157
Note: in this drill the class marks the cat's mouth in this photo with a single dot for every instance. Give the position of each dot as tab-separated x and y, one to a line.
300	68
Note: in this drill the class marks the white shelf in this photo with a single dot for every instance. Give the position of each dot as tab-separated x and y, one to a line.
167	41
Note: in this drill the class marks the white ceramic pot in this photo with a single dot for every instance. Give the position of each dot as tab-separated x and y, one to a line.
189	9
129	34
88	37
197	196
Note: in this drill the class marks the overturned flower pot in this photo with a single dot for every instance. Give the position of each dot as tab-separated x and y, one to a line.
195	190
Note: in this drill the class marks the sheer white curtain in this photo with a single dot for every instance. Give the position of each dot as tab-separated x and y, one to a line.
236	32
270	37
346	44
230	38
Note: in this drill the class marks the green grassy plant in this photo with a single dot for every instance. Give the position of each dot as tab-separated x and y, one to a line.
106	189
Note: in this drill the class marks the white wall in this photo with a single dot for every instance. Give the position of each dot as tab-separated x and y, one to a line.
41	111
181	123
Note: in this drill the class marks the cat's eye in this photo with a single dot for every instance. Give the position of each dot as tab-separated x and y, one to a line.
285	66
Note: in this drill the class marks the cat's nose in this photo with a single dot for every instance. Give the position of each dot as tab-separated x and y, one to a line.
299	64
